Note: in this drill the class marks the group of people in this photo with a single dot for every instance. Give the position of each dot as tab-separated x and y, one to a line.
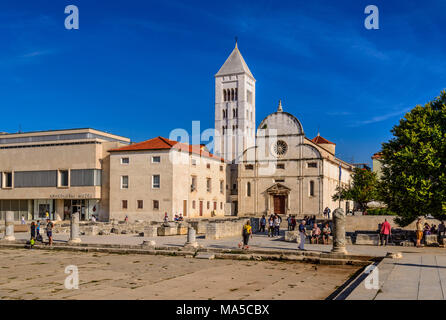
273	223
35	232
271	226
424	230
176	218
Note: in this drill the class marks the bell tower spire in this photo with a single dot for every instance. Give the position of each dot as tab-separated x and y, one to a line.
234	107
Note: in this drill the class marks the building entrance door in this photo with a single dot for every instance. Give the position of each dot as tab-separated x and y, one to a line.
43	209
279	204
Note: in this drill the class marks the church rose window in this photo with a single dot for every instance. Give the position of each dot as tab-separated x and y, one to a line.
280	148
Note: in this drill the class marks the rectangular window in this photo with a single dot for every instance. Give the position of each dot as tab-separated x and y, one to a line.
124	204
156	204
208	205
221	205
221	168
249	167
279	180
124	182
63	178
311	188
222	186
7	178
208	185
312	164
193	204
156	159
156	181
208	165
140	204
193	186
280	166
249	96
215	205
125	160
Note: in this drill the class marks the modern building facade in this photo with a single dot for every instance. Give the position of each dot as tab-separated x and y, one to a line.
59	172
158	176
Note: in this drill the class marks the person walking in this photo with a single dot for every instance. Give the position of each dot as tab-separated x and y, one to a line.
289	222
293	223
302	234
386	231
270	226
262	223
49	231
419	231
33	230
247	233
441	229
276	225
38	236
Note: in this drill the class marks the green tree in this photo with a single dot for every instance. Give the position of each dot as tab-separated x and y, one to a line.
362	190
414	164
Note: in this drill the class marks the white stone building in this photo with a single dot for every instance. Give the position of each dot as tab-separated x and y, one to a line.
274	168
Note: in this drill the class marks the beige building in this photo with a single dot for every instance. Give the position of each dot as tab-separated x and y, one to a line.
160	175
377	164
58	171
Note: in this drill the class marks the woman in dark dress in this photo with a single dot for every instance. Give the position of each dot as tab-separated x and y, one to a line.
33	230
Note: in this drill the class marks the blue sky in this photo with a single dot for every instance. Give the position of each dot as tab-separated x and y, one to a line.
143	68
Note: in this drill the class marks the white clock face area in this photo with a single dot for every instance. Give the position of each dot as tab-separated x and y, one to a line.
280	148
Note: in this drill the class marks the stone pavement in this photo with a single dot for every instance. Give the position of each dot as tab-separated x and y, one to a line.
39	274
417	276
259	241
420	274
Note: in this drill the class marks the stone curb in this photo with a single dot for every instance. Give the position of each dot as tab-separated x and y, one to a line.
307	257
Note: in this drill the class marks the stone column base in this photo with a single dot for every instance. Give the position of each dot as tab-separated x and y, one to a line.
339	250
9	238
191	245
74	241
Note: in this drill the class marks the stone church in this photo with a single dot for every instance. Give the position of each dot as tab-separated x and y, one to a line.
272	168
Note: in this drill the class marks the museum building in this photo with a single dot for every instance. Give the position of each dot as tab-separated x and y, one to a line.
56	171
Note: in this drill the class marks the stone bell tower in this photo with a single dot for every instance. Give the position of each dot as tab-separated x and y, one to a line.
235	108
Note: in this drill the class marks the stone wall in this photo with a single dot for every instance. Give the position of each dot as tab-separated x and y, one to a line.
370	223
229	228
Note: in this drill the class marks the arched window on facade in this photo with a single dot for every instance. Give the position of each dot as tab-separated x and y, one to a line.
232	94
224	95
236	94
248	189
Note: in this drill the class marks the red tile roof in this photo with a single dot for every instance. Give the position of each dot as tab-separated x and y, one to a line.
319	140
377	155
160	143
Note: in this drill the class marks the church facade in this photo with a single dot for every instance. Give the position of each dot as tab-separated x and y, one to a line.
273	168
